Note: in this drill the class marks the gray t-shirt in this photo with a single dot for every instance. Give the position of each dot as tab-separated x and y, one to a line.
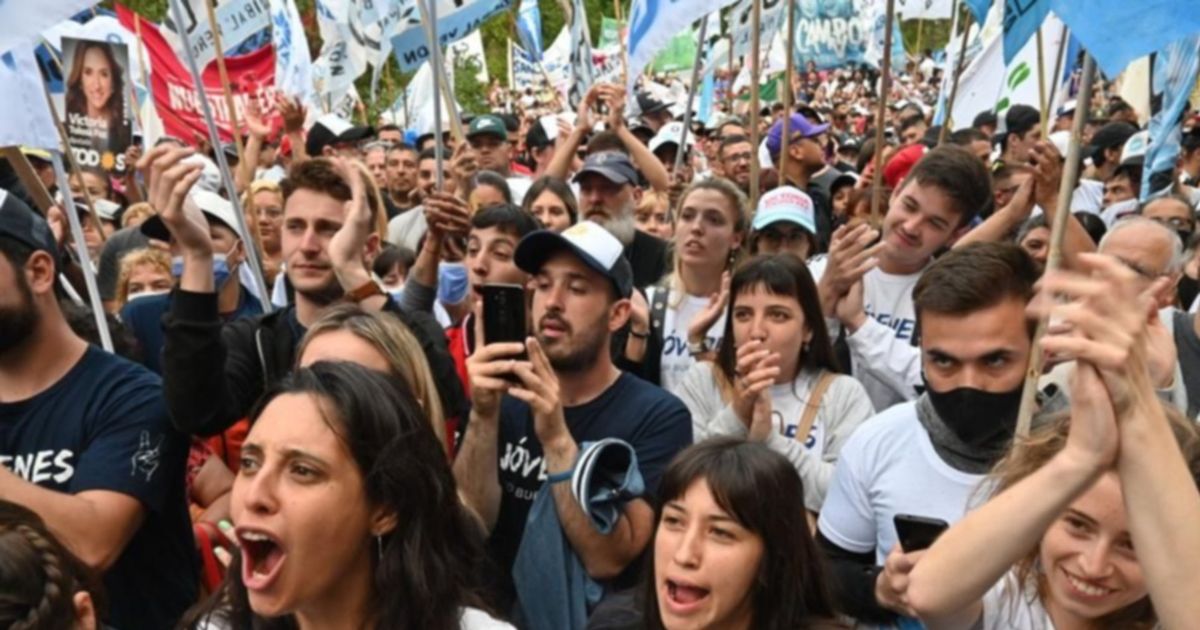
120	243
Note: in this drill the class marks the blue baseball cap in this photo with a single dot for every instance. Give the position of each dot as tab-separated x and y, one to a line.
613	165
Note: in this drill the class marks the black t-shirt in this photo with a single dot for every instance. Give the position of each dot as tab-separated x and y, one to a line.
104	426
1188	346
651	420
648	257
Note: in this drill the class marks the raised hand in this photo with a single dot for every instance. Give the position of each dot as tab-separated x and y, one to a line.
292	112
704	320
254	119
348	245
757	368
539	388
170	177
851	256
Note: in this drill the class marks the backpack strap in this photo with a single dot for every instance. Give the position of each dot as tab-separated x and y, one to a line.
658	308
813	405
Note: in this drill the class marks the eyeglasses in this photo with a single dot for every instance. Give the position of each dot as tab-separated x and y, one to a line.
1175	223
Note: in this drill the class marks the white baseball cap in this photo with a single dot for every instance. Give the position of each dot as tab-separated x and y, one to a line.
588	241
785	203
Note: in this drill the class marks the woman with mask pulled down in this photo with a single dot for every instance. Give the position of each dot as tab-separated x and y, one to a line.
1088	525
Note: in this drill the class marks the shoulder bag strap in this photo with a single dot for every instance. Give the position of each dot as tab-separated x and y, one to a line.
813	405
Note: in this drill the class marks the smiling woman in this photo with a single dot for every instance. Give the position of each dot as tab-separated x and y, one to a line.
346	514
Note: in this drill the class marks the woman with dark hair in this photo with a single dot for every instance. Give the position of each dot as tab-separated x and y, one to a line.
731	547
551	200
43	586
488	189
774	379
347	515
96	92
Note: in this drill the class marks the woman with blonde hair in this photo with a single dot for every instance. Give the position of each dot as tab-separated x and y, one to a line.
682	319
653	215
263	205
135	214
143	271
378	341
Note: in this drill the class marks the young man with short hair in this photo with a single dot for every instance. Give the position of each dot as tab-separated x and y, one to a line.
567	392
401	171
926	457
85	440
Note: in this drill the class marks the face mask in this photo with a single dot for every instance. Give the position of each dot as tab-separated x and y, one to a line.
1116	211
452	283
980	419
134	296
221	269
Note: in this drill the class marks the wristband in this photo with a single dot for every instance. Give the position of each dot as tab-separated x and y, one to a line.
366	290
697	348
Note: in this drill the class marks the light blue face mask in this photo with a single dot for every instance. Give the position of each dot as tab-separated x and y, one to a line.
453	283
221	270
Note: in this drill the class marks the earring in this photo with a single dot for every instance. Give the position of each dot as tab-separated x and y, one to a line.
379	546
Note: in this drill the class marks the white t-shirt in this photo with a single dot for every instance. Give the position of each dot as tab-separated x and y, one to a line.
887	299
889	467
407	228
518	186
1006	606
676	360
1088	196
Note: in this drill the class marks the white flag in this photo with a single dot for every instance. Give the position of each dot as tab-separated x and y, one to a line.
293	62
771	18
925	9
581	56
23	107
22	20
652	23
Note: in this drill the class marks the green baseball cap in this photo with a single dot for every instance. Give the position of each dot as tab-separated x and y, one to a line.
487	124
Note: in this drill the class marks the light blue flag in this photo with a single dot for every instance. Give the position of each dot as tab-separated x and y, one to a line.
529	28
706	98
293	61
1116	32
1021	20
410	47
1175	71
979	9
653	23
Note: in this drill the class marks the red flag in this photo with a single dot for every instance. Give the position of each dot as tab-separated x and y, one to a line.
174	92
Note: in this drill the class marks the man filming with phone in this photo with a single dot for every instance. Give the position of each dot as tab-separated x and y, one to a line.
924	459
530	416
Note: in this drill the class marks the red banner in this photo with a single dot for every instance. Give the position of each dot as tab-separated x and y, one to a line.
174	92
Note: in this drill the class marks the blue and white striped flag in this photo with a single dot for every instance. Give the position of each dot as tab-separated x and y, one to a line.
1175	71
529	28
293	62
652	23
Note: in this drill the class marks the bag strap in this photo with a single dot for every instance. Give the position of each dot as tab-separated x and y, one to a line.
813	405
658	307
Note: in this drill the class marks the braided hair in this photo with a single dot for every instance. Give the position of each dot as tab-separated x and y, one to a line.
38	576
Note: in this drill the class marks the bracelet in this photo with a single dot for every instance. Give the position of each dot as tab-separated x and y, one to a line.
639	335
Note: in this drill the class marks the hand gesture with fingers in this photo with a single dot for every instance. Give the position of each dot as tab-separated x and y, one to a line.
487	368
760	423
254	119
463	164
539	388
851	256
704	320
1047	174
891	586
757	368
614	97
447	215
292	112
170	179
347	247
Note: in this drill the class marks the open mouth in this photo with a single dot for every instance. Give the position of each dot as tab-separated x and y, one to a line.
1086	589
685	597
262	559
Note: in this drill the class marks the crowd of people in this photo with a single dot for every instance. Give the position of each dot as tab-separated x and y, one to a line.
720	411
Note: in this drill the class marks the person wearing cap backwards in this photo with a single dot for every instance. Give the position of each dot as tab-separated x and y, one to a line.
1104	151
144	317
333	135
530	416
868	288
1123	187
86	440
806	157
213	372
1022	123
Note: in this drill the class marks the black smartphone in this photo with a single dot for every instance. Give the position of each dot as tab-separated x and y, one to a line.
504	315
918	532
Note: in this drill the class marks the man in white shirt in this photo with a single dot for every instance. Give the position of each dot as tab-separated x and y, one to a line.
868	288
926	457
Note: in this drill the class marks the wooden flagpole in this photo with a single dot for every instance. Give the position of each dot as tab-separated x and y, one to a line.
691	97
755	72
885	86
1057	231
948	119
220	49
786	138
1041	74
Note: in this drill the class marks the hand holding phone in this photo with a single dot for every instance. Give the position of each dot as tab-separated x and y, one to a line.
504	316
918	532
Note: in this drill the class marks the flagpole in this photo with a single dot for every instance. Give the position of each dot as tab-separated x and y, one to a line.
687	113
1041	61
1057	231
219	155
755	72
224	74
885	86
621	40
446	92
789	71
66	144
512	80
85	261
948	118
1056	79
429	15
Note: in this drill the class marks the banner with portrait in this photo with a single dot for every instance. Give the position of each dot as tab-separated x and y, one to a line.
97	112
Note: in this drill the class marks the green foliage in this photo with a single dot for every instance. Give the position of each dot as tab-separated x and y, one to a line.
920	35
471	92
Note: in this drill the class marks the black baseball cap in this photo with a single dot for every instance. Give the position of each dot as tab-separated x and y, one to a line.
333	129
1110	136
650	105
613	165
19	222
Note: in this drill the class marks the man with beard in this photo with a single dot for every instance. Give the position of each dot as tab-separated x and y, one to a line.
401	169
736	155
85	440
565	392
926	457
214	373
608	195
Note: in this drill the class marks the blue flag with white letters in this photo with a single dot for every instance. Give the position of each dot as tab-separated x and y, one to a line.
1022	18
979	9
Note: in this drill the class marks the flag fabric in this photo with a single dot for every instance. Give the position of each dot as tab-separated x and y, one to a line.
23	107
1175	71
1115	32
237	21
581	56
529	28
772	15
1021	20
456	20
652	24
470	48
979	9
22	21
293	62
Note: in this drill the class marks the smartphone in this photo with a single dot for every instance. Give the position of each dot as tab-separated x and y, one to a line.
918	532
504	316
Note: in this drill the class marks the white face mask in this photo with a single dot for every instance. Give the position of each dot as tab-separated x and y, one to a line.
141	294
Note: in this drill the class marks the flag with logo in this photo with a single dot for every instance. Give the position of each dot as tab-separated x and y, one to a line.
529	28
581	56
1175	72
772	15
652	24
456	20
293	62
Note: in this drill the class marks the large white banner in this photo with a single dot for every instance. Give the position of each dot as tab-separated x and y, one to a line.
293	62
237	20
23	109
456	20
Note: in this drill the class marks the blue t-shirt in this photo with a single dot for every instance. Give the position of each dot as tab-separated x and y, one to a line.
104	426
143	317
654	422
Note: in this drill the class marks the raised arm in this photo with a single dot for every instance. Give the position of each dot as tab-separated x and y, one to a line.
564	151
650	166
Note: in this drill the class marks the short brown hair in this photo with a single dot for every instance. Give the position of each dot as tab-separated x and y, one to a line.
975	277
960	175
319	175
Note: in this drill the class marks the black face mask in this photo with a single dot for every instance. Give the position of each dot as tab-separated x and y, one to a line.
980	419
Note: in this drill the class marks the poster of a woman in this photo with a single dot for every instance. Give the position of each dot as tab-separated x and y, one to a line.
98	116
